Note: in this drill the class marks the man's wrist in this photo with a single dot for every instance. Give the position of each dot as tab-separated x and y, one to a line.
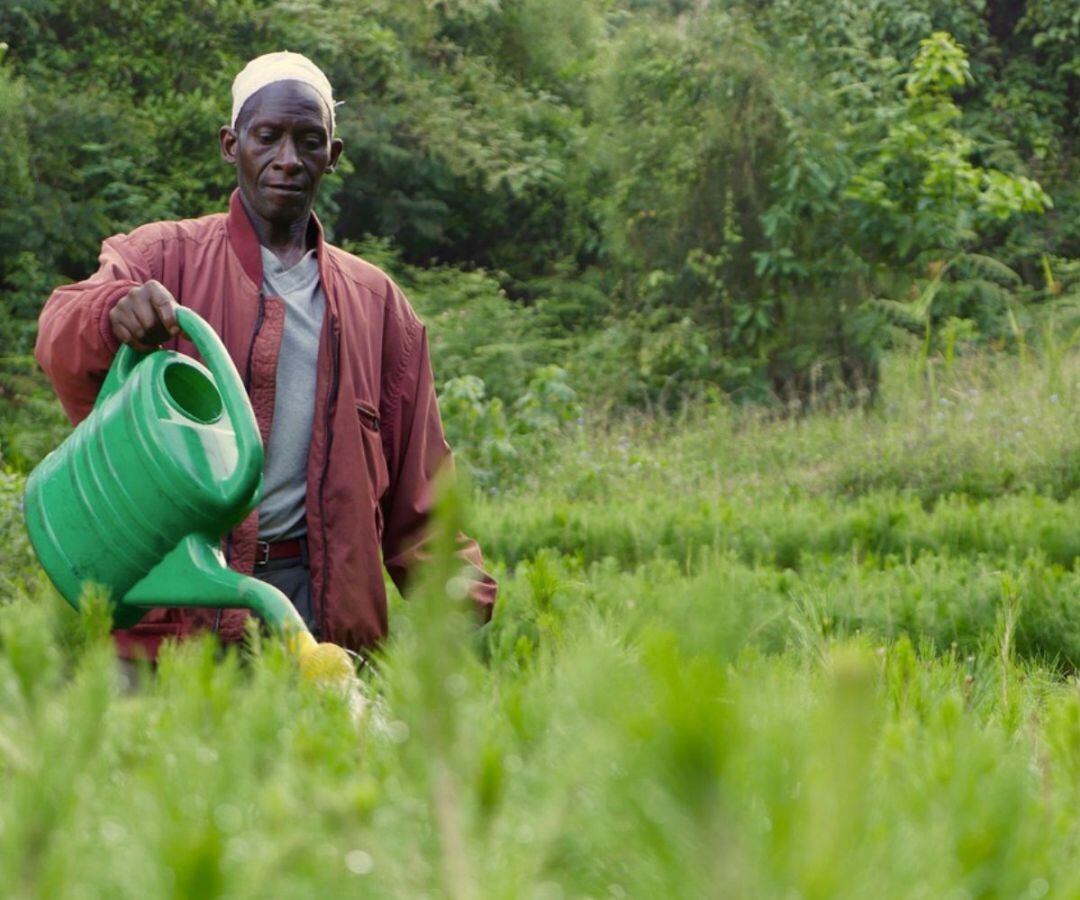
112	342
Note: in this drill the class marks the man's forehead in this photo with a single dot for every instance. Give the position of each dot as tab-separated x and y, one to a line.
289	100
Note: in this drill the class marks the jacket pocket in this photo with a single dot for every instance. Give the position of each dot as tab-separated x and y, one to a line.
374	457
369	415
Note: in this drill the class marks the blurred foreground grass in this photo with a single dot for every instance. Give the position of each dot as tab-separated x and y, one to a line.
735	655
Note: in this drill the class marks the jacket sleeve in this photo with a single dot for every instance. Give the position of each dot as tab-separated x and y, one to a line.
75	343
418	453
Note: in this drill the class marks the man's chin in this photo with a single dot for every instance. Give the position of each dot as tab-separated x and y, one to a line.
283	198
283	206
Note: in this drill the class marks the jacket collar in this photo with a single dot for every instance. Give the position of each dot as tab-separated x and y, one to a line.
245	242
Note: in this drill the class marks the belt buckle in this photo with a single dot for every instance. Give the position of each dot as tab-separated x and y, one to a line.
262	547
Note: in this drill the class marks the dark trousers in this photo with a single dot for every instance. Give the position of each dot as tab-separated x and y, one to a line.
293	578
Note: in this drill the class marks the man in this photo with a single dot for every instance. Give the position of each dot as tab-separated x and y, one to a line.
334	359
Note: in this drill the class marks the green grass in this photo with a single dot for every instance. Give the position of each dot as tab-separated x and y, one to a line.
735	655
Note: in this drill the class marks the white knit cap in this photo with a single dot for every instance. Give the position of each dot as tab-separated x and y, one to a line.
282	66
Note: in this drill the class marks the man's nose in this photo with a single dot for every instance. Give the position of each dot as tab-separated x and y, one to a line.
287	157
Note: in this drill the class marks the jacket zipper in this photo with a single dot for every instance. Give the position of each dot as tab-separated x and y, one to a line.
331	398
260	314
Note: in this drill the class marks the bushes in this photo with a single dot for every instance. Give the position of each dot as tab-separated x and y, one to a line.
31	421
490	439
675	200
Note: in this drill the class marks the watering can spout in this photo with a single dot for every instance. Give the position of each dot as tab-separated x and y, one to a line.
194	574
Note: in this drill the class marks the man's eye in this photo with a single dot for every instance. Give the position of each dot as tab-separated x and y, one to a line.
267	137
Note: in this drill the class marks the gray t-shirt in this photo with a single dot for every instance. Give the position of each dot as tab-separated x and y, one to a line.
281	513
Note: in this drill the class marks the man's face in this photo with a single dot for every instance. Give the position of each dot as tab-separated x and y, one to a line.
281	147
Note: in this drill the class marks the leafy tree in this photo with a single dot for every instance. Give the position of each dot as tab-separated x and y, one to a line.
919	190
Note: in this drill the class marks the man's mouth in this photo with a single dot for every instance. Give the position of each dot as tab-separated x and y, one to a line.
286	188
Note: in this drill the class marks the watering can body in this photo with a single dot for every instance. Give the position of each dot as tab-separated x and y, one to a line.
138	497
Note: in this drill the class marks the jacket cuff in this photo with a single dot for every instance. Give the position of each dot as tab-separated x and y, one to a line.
104	325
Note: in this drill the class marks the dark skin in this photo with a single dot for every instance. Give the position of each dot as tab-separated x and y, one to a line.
281	147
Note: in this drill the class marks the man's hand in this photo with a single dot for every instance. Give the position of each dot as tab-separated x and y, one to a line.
146	317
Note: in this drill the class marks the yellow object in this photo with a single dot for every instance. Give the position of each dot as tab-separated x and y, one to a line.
325	664
322	663
299	642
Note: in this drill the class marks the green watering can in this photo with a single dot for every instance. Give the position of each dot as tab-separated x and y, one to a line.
138	498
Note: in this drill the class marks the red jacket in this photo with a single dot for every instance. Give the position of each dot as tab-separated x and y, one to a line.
377	442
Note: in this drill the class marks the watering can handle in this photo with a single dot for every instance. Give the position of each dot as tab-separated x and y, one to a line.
249	446
122	365
245	479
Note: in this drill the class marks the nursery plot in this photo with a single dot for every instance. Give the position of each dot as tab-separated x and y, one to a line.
735	656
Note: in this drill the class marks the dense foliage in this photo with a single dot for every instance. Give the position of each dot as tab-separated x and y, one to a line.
662	198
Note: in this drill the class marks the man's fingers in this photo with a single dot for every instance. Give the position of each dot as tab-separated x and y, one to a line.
125	326
164	306
124	335
150	307
146	317
136	311
135	322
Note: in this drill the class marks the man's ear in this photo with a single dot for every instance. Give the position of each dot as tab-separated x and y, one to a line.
228	138
336	146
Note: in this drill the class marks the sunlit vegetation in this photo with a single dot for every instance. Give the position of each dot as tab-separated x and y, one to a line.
737	653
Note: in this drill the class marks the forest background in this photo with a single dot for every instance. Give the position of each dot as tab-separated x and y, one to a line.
609	203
